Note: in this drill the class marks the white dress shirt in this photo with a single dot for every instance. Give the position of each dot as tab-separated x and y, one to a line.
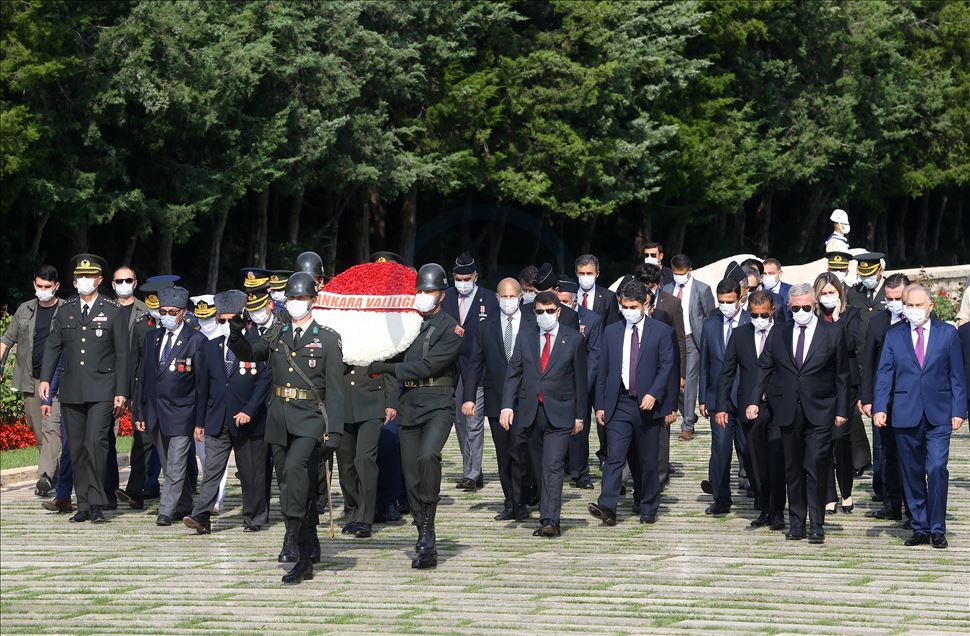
590	299
625	363
465	303
685	302
89	305
926	337
809	334
175	337
760	339
552	340
516	321
734	325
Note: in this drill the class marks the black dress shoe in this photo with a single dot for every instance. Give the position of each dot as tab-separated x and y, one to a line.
939	540
718	509
636	507
97	516
480	482
467	485
887	514
349	528
777	523
425	561
707	487
586	483
650	519
163	520
81	516
200	523
251	528
363	530
302	571
761	521
795	534
918	538
908	524
604	514
816	537
507	514
521	512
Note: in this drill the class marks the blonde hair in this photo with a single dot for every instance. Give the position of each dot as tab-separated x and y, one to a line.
828	278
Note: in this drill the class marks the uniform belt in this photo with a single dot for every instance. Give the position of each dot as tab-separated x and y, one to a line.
441	381
295	394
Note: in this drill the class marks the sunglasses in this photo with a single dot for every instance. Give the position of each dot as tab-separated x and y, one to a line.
765	315
795	308
169	312
121	281
222	321
546	311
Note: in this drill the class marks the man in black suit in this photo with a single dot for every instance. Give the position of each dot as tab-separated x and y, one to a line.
738	375
632	387
546	390
469	305
887	481
493	348
590	295
804	370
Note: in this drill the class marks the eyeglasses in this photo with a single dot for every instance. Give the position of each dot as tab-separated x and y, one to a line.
764	315
169	312
795	308
121	281
546	311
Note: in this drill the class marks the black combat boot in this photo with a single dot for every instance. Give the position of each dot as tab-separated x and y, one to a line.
303	570
291	551
311	540
427	547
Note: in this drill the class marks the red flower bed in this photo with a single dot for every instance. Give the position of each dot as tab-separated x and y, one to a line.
16	434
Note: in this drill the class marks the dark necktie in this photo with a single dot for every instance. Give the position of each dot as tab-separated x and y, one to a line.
166	349
634	358
260	331
508	339
297	334
680	292
84	313
230	361
920	347
800	348
585	299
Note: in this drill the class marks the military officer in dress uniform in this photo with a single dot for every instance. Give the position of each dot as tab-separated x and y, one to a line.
838	264
277	288
305	407
428	370
90	332
837	241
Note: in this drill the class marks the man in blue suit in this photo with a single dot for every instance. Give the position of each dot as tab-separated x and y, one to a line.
921	370
718	329
545	402
637	360
232	418
168	397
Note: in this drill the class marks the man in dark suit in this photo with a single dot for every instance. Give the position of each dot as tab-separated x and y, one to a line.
493	348
546	389
771	282
887	482
964	333
762	436
231	418
653	254
718	329
91	334
590	295
632	383
921	370
166	406
469	305
804	369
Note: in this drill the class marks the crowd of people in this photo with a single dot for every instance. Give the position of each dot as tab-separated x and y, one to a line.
784	373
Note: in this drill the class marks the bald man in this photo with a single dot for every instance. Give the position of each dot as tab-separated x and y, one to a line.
491	350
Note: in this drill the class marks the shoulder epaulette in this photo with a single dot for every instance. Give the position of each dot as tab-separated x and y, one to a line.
110	301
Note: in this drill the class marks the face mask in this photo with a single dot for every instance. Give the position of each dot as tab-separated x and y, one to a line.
154	313
278	296
508	305
915	316
633	316
769	281
464	287
681	279
845	228
86	286
209	327
124	290
761	323
728	309
895	306
528	297
43	295
840	276
586	281
260	316
223	330
651	260
425	302
870	282
803	317
170	322
830	301
546	321
297	308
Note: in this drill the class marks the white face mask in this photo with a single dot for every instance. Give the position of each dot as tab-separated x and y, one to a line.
278	296
681	279
170	322
651	260
802	317
508	305
761	323
260	316
209	327
870	282
43	295
916	316
728	309
528	297
296	308
464	287
586	281
124	290
840	275
829	301
769	281
632	316
845	228
425	302
546	321
86	286
895	306
223	329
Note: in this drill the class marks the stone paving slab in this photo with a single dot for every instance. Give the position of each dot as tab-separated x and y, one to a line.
688	574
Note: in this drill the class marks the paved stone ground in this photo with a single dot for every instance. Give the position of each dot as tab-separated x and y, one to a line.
688	573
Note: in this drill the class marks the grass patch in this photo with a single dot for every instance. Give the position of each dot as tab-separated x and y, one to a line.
669	619
864	580
30	456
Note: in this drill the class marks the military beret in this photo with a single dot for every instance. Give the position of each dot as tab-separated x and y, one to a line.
569	286
545	278
464	264
173	297
869	263
87	264
838	261
230	302
203	306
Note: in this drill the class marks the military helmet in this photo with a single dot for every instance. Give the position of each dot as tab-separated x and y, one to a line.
301	284
309	262
431	277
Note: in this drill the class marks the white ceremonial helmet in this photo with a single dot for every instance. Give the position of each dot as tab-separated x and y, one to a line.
839	216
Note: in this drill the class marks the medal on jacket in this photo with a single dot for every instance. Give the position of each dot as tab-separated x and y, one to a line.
312	363
188	365
171	367
242	367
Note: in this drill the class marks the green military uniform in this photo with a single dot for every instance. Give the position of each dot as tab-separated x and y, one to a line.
365	398
94	343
